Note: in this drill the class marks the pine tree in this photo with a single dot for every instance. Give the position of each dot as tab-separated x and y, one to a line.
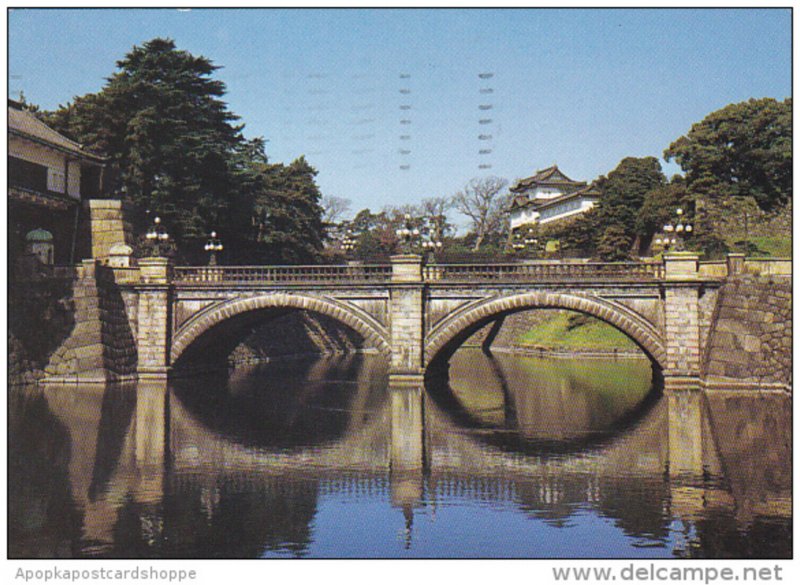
179	153
161	119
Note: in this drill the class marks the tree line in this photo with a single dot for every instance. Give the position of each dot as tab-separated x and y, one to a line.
738	157
736	161
179	153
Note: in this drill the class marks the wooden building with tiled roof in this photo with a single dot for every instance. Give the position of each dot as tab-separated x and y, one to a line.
549	195
49	176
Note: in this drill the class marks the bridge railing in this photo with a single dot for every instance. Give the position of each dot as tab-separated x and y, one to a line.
544	271
374	273
768	266
364	273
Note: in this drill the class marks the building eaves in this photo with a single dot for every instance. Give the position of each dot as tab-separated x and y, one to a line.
590	192
25	125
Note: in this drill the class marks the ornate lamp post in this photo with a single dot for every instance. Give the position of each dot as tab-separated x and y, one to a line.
157	236
213	245
522	242
674	232
432	244
348	243
408	235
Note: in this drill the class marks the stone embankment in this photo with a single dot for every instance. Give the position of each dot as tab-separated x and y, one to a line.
101	346
751	336
40	317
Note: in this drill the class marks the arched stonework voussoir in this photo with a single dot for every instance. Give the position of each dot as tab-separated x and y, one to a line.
350	315
448	332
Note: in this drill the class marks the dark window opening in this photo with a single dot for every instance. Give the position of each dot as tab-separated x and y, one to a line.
22	173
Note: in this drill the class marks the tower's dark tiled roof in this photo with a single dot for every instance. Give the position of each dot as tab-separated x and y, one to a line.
549	176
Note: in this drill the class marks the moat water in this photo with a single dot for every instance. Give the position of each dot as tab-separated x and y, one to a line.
511	457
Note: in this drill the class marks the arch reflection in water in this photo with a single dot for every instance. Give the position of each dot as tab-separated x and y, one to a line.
290	403
147	472
556	403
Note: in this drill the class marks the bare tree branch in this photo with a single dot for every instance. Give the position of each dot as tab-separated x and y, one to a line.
435	210
483	201
334	208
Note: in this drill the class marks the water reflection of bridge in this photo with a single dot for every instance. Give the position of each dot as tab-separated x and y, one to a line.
144	463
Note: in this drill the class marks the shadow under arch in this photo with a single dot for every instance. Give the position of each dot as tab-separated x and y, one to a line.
214	332
446	337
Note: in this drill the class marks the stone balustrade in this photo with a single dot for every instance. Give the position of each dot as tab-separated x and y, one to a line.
199	275
544	271
407	269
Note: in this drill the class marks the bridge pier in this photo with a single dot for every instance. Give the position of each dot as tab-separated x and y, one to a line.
406	318
682	319
153	314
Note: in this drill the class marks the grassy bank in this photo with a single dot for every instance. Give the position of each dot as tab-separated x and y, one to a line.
778	246
574	332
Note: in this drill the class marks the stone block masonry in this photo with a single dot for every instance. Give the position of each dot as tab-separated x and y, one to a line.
406	316
100	347
125	325
682	331
153	318
108	226
41	316
406	330
751	335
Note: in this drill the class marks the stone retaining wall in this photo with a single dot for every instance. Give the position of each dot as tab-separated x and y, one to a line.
40	317
101	346
751	336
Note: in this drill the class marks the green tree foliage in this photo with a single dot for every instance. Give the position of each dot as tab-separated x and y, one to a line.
289	205
659	208
375	235
614	245
179	152
576	236
624	191
743	149
161	119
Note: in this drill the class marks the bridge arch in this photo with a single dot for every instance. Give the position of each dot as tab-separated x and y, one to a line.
448	335
369	328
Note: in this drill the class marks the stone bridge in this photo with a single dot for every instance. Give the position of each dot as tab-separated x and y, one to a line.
418	314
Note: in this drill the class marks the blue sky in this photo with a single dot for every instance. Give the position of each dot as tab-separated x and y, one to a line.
387	104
